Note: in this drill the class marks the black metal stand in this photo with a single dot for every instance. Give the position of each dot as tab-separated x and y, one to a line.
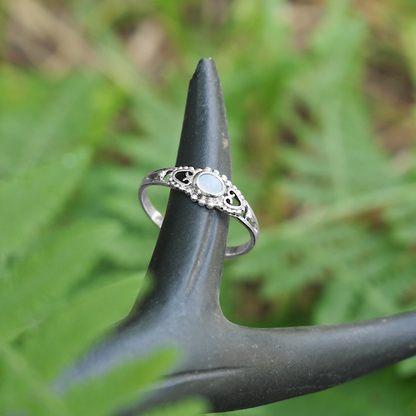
232	366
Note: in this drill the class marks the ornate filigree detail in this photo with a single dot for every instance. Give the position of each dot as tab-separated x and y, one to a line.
184	178
208	188
164	174
233	201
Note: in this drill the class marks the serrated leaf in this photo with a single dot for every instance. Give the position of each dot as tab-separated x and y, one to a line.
123	386
407	368
74	328
47	117
131	251
336	303
30	201
149	109
26	390
42	279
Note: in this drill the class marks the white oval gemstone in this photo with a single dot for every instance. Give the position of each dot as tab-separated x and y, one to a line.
210	184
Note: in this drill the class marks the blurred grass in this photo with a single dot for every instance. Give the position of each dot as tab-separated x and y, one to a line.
320	103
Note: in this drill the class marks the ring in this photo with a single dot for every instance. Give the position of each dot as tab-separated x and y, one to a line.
208	188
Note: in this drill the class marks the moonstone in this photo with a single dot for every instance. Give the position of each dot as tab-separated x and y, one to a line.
210	184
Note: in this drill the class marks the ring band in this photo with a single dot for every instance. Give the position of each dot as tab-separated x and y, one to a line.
208	188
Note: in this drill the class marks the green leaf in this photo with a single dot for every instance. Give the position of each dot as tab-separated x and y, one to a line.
336	303
23	389
407	368
84	319
30	201
124	385
131	251
41	280
45	119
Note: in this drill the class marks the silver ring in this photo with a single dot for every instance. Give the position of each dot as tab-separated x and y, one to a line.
208	188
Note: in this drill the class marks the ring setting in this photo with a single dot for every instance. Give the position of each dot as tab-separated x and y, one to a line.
210	189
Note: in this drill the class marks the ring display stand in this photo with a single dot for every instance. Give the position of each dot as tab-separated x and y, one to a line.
233	367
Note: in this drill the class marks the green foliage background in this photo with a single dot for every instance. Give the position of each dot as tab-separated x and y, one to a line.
320	102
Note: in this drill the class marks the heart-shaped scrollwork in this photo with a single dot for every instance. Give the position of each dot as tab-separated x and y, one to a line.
183	177
233	200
